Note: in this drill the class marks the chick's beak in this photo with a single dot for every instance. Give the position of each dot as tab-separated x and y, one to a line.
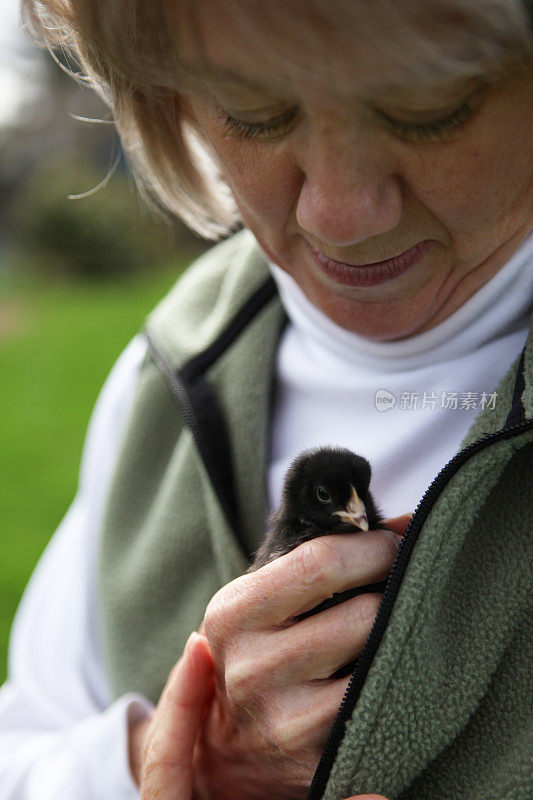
355	513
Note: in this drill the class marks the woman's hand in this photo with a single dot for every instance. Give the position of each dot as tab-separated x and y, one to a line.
274	703
165	755
170	735
169	739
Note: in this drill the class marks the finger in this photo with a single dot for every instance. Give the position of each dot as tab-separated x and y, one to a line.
168	771
310	650
318	646
398	524
301	579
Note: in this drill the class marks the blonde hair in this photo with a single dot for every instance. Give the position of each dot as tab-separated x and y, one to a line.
125	53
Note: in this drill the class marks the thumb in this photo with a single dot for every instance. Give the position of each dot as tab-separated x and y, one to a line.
168	769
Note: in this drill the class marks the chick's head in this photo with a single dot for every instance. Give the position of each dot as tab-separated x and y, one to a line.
329	488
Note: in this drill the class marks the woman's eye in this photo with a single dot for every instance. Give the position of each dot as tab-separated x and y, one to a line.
434	131
277	126
323	494
271	128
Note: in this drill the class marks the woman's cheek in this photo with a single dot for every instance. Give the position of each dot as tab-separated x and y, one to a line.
263	179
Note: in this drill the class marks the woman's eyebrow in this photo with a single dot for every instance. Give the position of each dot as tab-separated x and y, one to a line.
418	95
217	74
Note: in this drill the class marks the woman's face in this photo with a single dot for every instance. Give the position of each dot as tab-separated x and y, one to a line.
337	160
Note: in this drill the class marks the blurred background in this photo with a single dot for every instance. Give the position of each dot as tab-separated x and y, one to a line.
77	278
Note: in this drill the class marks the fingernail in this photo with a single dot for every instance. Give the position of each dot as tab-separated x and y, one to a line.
192	638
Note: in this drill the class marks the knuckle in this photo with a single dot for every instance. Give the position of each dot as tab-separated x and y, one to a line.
386	549
293	734
223	612
316	563
154	762
366	608
243	689
286	734
151	756
379	552
391	542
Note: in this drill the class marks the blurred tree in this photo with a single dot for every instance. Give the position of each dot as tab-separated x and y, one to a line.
104	235
45	156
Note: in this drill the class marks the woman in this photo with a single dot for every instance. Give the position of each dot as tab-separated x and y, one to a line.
380	157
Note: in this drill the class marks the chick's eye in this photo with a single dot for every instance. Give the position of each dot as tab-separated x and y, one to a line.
323	494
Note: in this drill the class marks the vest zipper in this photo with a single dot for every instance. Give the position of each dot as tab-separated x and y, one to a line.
403	555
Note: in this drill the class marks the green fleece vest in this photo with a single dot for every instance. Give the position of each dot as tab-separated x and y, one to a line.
443	711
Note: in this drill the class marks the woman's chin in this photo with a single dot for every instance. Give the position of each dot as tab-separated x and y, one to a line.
380	319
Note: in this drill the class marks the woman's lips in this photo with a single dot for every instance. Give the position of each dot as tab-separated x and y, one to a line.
374	274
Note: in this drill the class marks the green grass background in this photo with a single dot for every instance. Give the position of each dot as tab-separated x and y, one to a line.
57	344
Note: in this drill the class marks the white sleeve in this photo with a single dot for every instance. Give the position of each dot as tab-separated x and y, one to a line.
61	737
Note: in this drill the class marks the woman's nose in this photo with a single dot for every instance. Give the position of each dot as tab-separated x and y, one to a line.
348	193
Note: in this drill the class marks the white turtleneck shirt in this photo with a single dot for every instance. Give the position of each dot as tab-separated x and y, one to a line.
405	405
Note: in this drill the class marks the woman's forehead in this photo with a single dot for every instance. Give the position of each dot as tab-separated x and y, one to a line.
328	46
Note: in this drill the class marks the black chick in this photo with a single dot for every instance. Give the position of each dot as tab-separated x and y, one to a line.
325	491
